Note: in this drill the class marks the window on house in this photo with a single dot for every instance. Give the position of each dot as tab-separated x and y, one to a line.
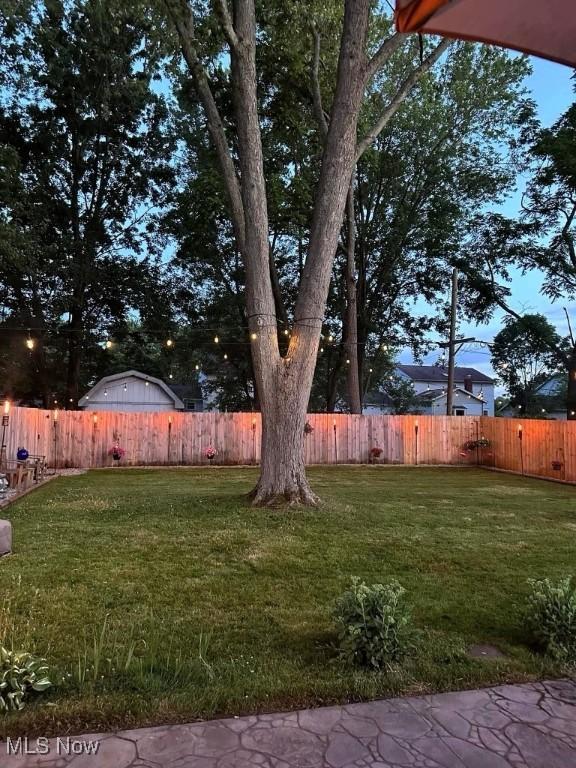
485	413
459	412
190	405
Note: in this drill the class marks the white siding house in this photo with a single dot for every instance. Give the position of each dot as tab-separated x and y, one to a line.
473	390
134	391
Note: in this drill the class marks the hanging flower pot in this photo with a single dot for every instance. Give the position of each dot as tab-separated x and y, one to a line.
116	452
557	465
210	453
22	454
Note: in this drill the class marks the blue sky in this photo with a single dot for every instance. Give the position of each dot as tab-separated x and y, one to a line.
552	90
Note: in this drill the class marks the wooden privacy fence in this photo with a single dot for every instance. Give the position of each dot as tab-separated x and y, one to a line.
83	439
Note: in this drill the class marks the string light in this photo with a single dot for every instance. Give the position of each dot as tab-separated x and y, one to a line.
330	338
321	349
286	332
216	339
169	343
30	343
253	336
108	344
197	367
125	387
225	356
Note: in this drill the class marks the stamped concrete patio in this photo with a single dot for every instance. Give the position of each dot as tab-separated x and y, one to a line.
531	725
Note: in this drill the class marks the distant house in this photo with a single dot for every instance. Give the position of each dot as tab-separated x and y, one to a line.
551	396
136	391
547	400
377	403
473	391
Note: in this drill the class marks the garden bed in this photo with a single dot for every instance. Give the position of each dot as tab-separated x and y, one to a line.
159	596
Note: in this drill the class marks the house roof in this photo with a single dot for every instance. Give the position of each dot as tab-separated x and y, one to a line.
178	404
378	398
187	391
436	394
439	374
558	378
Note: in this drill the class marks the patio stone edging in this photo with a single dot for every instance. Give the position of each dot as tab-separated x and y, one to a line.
531	725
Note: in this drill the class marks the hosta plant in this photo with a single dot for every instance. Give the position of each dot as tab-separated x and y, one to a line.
373	623
20	673
550	617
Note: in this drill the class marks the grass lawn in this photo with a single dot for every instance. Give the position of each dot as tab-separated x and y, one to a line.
159	596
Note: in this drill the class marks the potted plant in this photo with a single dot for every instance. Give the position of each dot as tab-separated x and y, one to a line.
375	453
116	451
481	442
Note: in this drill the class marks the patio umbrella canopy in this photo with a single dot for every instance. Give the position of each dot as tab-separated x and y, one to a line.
545	28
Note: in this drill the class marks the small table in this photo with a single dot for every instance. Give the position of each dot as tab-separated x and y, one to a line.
19	477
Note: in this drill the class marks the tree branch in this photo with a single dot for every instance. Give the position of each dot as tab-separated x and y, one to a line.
383	54
181	14
223	12
400	96
315	80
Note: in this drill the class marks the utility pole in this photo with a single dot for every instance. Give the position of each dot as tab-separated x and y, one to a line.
452	343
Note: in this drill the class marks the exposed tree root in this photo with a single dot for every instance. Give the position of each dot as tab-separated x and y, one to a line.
265	495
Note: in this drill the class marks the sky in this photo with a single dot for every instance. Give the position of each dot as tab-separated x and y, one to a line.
553	91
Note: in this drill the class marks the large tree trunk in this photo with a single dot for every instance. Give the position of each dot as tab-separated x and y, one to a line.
283	475
351	322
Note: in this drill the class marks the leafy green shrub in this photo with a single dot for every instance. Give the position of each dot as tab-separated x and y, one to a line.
373	624
20	673
551	617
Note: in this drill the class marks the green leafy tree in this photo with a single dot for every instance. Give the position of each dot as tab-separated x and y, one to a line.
523	357
86	165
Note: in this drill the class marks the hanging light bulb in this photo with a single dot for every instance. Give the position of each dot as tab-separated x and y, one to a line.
225	356
197	367
286	332
169	343
170	376
330	338
108	344
125	387
105	393
30	343
321	349
216	339
253	336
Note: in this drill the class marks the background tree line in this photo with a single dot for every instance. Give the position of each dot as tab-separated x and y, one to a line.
115	225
